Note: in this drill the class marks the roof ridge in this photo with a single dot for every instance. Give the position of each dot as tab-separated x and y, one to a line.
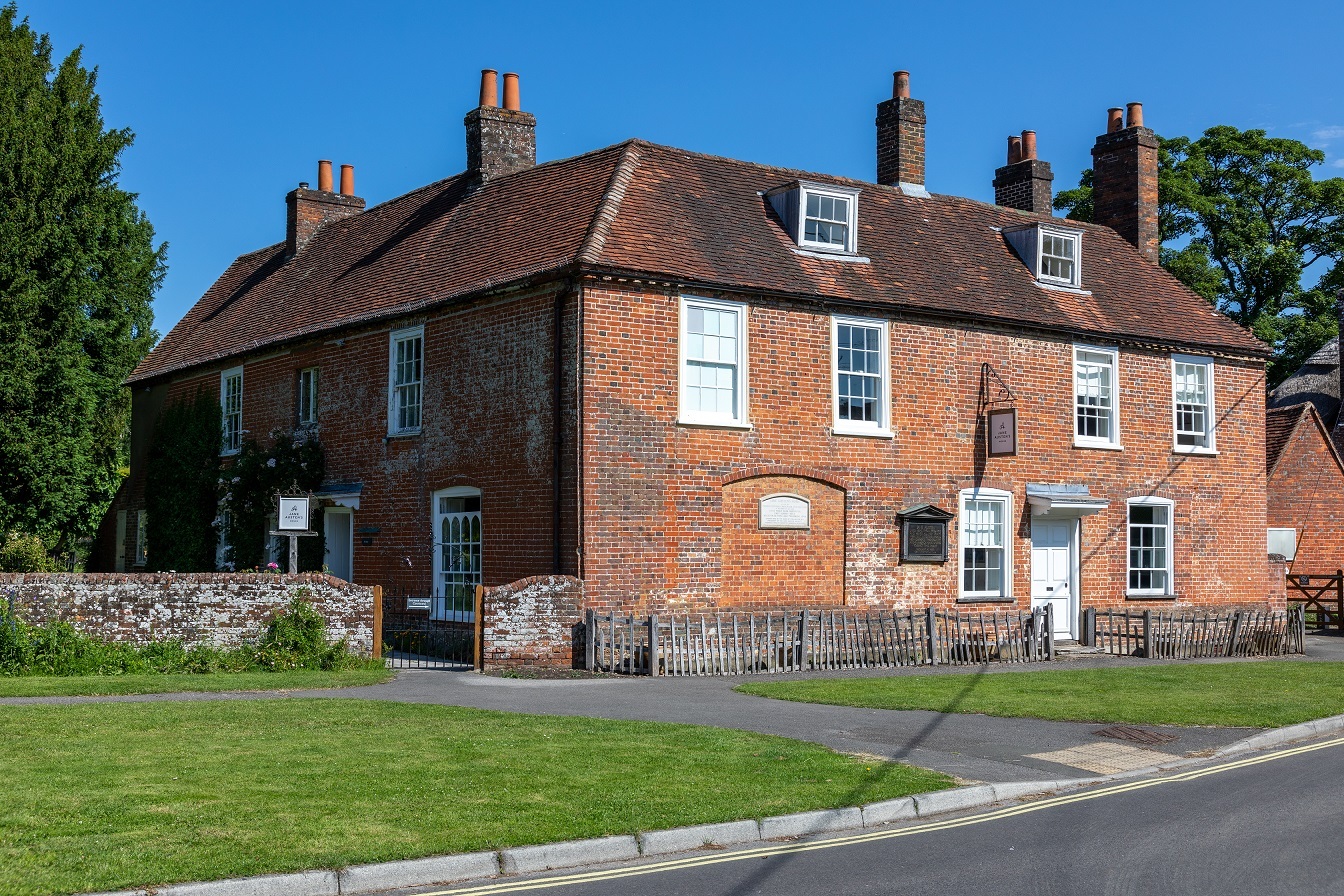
595	240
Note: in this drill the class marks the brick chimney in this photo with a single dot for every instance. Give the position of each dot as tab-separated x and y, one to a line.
1124	180
1024	183
499	141
308	210
900	139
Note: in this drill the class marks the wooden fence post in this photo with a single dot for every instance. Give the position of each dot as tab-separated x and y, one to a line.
931	617
478	639
653	644
1089	632
1148	634
1049	631
1236	630
589	637
802	642
377	622
1339	599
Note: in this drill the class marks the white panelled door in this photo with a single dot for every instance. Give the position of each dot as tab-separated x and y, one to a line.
1053	546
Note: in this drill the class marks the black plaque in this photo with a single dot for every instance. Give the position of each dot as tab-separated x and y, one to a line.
924	534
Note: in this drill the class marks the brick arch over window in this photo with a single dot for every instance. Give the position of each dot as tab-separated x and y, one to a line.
782	470
782	567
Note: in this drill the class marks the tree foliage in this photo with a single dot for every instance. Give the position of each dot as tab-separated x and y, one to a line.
78	269
181	490
1243	222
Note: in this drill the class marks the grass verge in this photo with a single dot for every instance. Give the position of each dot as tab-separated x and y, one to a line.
117	685
110	796
1265	694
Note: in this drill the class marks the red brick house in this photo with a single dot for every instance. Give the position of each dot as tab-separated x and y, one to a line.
689	380
1305	479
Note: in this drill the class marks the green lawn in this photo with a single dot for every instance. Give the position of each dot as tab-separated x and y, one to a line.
1265	694
110	685
109	796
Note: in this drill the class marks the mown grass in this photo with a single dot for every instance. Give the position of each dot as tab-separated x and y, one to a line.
117	685
1264	694
110	796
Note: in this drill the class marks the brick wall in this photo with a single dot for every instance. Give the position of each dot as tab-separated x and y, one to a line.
222	610
655	507
531	623
1304	494
783	567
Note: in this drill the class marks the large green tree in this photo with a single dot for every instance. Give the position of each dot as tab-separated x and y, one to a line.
78	269
1244	223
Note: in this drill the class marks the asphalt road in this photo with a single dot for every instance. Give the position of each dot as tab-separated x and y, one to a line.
1264	824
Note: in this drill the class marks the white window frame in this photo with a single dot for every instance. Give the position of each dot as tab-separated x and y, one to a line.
1151	501
738	419
141	537
1082	441
231	436
1006	499
307	399
851	199
396	337
1210	420
439	608
881	428
1059	233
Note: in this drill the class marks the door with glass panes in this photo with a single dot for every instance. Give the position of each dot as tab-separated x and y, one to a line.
457	554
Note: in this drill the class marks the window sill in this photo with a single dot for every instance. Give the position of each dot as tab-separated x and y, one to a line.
1144	595
831	254
1063	287
1102	446
404	434
714	424
1195	449
986	599
863	433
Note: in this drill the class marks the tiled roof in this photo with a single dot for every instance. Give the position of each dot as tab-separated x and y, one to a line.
1316	381
1280	424
654	210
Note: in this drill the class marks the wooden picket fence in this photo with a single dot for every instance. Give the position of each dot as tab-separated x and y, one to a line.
1194	634
810	640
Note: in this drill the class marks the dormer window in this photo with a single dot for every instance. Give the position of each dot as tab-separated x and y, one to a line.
1053	253
818	217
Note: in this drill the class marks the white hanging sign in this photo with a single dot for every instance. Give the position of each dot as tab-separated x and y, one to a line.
293	514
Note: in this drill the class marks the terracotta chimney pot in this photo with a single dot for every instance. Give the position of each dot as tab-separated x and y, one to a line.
900	86
1028	145
1134	115
324	175
1014	150
489	87
1115	120
347	180
511	92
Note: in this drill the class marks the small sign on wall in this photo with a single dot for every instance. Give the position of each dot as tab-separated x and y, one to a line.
1003	432
293	514
785	512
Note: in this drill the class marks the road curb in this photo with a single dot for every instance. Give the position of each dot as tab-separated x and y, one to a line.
604	850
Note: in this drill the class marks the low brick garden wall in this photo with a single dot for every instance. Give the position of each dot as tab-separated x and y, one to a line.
531	623
221	609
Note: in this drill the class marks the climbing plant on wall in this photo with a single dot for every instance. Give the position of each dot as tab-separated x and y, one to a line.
290	463
181	486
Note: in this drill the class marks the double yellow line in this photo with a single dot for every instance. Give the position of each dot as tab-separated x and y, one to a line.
780	849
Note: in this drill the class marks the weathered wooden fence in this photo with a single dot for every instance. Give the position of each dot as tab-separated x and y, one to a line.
1193	634
1321	596
809	640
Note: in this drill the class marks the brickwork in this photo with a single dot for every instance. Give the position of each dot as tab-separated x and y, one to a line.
221	610
794	567
308	210
1025	185
1124	187
900	141
500	142
1304	494
488	423
531	624
654	490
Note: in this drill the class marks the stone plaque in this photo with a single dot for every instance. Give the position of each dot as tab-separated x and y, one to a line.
785	512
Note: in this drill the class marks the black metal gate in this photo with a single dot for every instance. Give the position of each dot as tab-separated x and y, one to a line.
424	633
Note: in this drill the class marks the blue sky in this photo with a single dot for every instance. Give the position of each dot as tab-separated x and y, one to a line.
233	103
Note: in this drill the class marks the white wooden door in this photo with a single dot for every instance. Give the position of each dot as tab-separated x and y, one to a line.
1052	551
339	529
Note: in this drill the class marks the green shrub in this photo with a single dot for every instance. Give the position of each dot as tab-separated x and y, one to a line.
21	552
181	487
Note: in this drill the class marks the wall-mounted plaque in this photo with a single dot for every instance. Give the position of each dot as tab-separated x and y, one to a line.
785	512
293	514
1003	432
924	534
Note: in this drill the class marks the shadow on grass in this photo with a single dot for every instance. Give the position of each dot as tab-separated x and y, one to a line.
856	797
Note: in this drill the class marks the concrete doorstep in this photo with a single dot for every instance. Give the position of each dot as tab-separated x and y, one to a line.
435	870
